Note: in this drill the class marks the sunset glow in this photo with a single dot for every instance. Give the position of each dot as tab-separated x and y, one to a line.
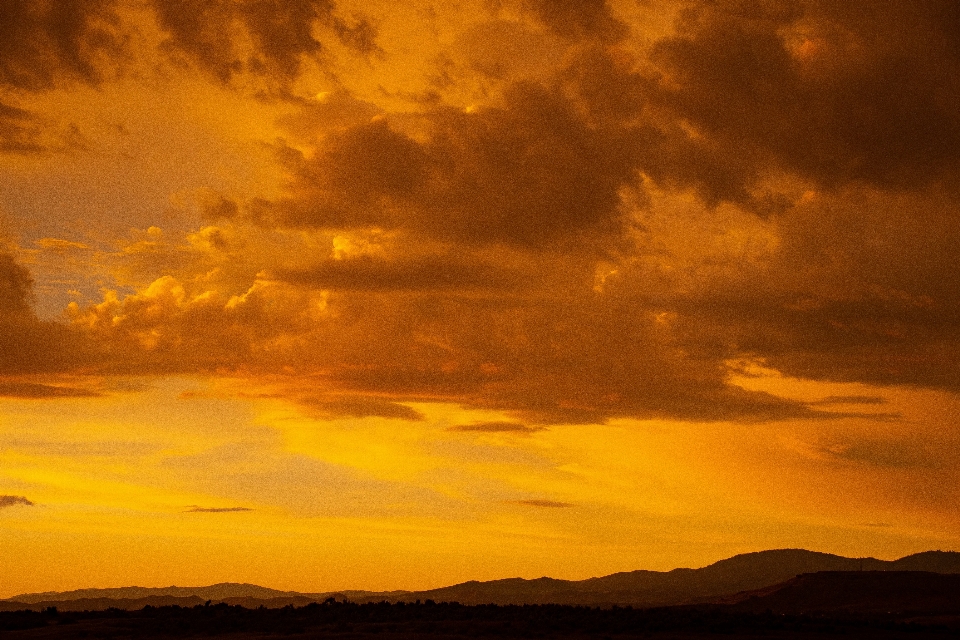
327	295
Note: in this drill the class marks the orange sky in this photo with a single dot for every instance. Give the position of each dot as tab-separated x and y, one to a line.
324	295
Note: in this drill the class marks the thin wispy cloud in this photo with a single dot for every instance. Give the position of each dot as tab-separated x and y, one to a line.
495	427
34	391
830	400
546	504
13	501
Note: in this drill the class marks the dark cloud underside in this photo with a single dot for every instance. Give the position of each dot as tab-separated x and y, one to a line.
282	34
43	42
19	131
866	92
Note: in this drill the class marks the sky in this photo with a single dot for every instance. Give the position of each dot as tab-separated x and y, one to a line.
355	294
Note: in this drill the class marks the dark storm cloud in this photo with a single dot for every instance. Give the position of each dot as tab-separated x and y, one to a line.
45	41
15	283
566	361
281	32
358	33
357	180
865	92
27	344
849	341
531	174
13	501
19	130
578	19
862	288
543	170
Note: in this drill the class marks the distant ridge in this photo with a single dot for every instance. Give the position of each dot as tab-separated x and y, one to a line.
217	591
741	573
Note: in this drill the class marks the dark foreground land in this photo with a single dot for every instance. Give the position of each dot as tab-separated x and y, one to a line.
441	621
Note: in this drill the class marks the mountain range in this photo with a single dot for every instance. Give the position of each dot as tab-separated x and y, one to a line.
717	582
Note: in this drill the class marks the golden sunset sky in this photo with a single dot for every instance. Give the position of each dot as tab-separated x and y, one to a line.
322	294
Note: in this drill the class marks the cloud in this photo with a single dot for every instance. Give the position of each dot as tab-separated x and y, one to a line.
831	400
58	244
903	453
495	427
423	273
551	212
553	351
531	174
20	132
15	283
44	43
578	19
507	51
547	504
858	94
333	111
593	237
27	344
211	34
858	290
13	501
168	327
40	391
332	407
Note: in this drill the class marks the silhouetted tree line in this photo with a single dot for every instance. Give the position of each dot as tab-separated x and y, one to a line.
432	619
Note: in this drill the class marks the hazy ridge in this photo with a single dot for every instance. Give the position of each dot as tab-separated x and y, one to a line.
742	573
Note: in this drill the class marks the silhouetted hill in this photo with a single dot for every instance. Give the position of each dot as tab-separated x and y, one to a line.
135	604
858	592
932	561
213	592
101	604
745	572
654	588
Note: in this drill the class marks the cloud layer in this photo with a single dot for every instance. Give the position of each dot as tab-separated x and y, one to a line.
593	234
